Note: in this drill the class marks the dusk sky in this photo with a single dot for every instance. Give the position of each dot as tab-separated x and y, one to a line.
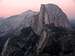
12	7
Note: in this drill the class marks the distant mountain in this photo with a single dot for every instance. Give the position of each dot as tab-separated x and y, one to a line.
48	20
49	14
72	23
1	18
12	23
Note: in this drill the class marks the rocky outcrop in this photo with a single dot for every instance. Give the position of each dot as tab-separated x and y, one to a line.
22	45
52	14
28	43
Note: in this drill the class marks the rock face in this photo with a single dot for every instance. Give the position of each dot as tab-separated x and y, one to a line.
52	14
49	14
30	31
16	22
22	45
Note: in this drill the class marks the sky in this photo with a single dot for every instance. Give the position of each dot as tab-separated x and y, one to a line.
13	7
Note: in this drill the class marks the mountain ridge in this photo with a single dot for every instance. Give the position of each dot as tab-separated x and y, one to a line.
27	34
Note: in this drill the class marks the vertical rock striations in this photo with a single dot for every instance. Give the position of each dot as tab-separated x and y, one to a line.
35	31
52	14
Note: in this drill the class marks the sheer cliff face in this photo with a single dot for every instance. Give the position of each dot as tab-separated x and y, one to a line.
49	14
52	14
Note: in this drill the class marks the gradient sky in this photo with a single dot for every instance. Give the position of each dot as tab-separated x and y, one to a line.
12	7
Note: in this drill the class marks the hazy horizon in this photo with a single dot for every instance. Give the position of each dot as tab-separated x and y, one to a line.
13	7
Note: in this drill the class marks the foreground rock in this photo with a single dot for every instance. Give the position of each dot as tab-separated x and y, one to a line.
22	45
59	41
